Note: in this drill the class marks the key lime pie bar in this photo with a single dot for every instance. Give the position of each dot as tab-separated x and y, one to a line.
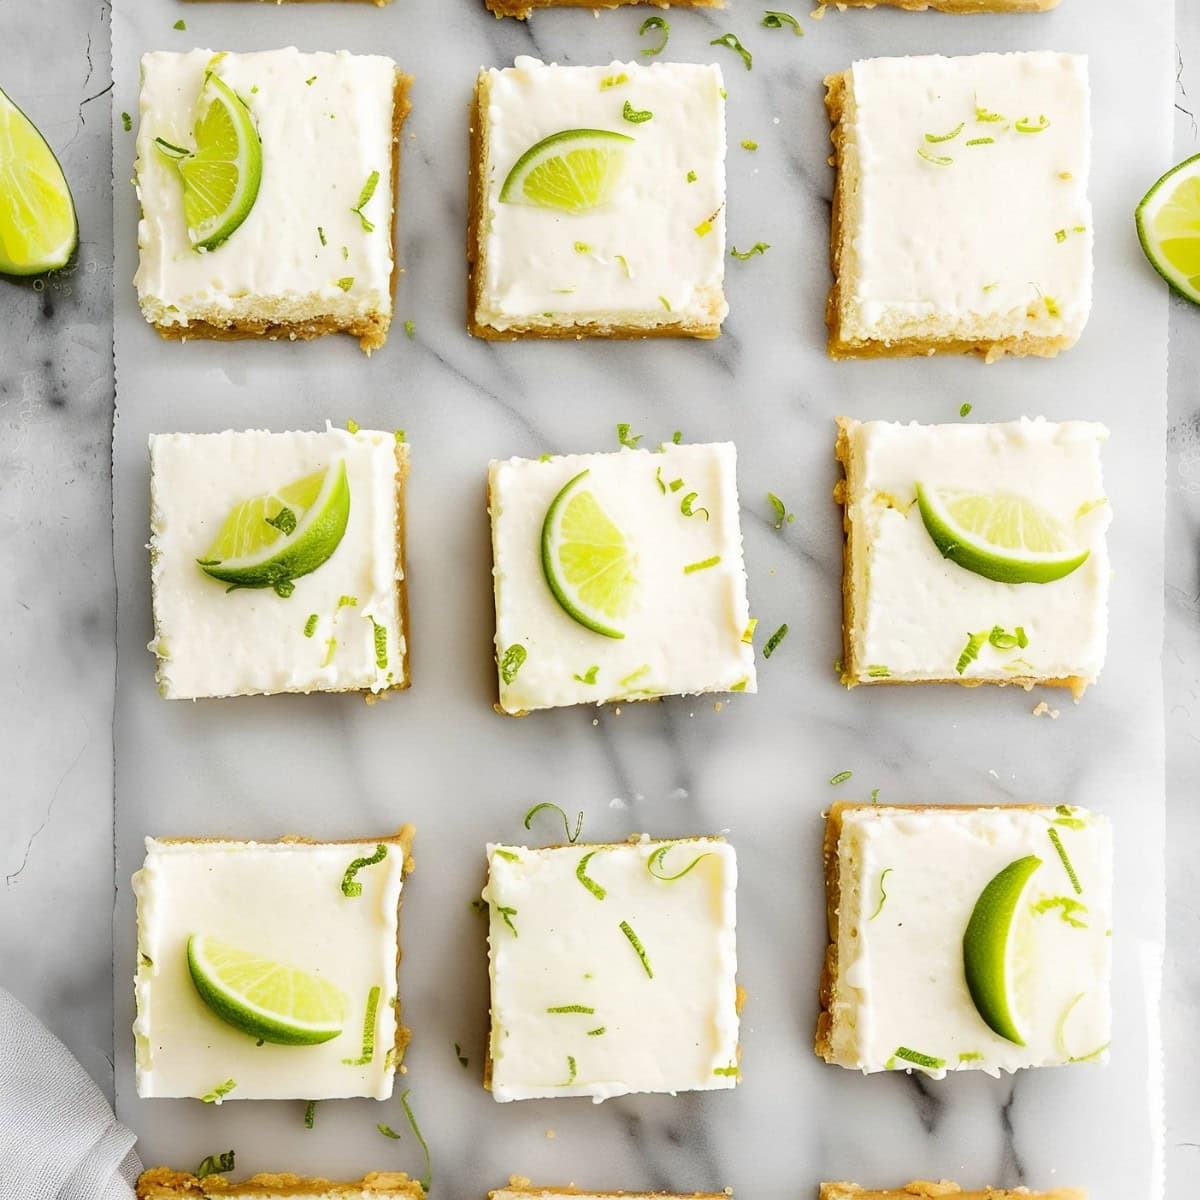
597	201
267	185
612	969
619	577
925	1190
278	562
974	553
966	938
267	970
961	222
161	1183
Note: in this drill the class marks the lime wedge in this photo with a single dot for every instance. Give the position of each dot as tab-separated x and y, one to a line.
38	229
997	535
572	171
272	539
1168	224
221	176
265	999
993	951
588	564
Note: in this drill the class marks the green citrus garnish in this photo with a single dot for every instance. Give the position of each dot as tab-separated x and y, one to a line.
992	953
38	229
264	998
572	171
997	535
221	176
1168	224
588	564
272	539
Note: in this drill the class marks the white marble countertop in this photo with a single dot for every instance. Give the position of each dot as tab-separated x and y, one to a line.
57	658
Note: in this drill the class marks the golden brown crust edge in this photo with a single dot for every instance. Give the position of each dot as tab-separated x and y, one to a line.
476	259
520	1186
928	1190
162	1183
371	329
852	674
959	6
523	8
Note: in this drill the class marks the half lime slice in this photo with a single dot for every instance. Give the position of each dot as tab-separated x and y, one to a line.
588	562
994	952
998	535
572	171
272	539
1168	224
38	228
264	998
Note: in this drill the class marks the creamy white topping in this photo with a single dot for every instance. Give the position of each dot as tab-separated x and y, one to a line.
532	266
283	901
914	610
997	240
214	642
684	633
901	981
325	121
662	1018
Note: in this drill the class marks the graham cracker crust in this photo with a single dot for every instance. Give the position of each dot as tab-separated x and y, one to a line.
162	1183
522	8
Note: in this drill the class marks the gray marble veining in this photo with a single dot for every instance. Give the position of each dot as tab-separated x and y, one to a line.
757	768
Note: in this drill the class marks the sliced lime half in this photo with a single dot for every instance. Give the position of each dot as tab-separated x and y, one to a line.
272	539
998	535
572	171
1168	224
38	229
264	998
588	563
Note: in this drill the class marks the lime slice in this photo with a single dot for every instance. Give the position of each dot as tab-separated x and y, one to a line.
265	999
993	949
572	171
38	229
221	177
997	535
587	562
272	539
1168	224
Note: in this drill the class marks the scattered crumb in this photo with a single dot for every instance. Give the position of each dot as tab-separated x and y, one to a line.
717	706
818	13
550	1134
616	712
1044	710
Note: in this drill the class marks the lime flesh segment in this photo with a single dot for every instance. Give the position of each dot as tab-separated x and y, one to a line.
572	171
1168	225
263	998
272	539
38	229
990	948
997	535
588	564
222	176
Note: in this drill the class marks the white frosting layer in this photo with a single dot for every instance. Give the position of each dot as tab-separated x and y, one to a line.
914	610
320	142
285	902
674	1031
972	246
670	271
215	642
901	980
684	634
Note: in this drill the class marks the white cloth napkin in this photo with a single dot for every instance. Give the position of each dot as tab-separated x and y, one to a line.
59	1139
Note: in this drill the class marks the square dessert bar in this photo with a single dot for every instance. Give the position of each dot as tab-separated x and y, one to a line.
932	592
267	970
597	201
966	938
522	8
161	1183
926	1190
277	562
314	253
961	221
612	969
619	577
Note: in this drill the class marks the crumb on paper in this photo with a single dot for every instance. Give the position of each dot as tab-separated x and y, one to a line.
1044	710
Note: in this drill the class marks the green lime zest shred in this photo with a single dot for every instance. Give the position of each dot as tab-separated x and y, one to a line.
310	1114
507	913
970	1056
368	1039
730	1071
380	635
655	23
547	804
1028	125
928	1061
612	81
126	122
598	1031
427	1179
731	42
702	565
636	116
970	651
983	141
685	506
350	886
656	860
878	671
774	640
882	893
938	160
946	137
388	1131
965	409
589	676
841	777
748	144
511	662
589	883
364	198
571	1072
748	632
345	283
215	1163
1067	908
310	626
572	1008
625	437
743	255
639	949
773	19
1066	861
691	177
